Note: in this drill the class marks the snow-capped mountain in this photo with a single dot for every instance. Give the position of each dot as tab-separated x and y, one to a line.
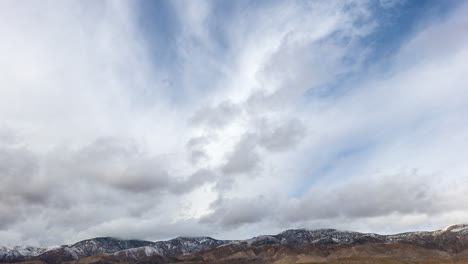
453	240
105	245
300	237
21	252
175	247
128	248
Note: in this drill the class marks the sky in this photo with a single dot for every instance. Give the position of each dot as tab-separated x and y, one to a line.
230	119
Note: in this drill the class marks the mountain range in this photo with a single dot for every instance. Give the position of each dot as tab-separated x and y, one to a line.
449	245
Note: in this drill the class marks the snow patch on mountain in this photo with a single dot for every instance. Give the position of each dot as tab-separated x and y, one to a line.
456	228
452	238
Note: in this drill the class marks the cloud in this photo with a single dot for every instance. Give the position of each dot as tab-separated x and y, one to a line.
360	203
279	115
391	3
8	136
20	181
88	186
195	180
246	155
244	158
404	193
233	213
120	164
216	116
281	137
196	149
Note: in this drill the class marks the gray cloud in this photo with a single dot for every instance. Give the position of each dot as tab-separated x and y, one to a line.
8	215
216	116
195	180
8	136
233	213
141	179
404	193
20	176
84	188
281	137
196	149
16	164
21	184
357	199
198	142
119	164
244	158
126	228
196	156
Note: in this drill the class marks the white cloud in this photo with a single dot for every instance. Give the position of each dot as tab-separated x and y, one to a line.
91	143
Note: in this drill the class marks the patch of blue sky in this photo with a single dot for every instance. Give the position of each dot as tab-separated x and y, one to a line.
168	45
159	25
334	164
162	30
395	26
349	155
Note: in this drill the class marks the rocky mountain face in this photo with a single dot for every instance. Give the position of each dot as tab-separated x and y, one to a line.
299	237
89	247
111	246
453	238
18	253
291	246
174	247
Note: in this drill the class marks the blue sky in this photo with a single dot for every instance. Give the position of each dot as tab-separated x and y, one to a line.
155	119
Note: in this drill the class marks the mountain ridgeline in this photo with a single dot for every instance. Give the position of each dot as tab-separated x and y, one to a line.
449	245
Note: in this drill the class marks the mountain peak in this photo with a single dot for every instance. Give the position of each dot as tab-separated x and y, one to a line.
194	238
453	239
456	228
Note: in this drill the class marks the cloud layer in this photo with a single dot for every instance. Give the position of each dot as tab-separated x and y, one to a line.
230	119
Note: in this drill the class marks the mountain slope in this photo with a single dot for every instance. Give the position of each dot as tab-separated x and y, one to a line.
290	246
